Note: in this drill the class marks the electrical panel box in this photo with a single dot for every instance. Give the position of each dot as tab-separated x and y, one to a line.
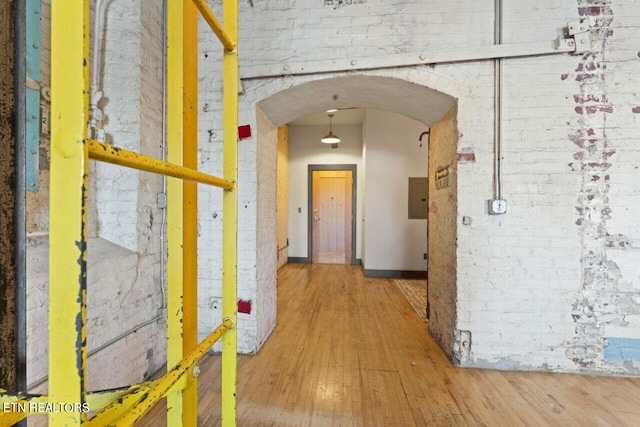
497	206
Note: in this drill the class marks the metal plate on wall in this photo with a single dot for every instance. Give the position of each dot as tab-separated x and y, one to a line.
442	177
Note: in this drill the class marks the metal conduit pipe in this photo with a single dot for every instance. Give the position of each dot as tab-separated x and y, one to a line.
20	78
95	95
497	105
102	347
163	148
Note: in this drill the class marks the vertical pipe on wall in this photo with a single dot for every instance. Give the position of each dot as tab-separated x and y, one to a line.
96	43
497	117
20	38
95	95
163	154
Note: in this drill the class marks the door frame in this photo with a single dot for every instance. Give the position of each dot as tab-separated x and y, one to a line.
354	186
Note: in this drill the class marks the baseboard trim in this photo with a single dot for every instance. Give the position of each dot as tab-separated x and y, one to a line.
298	260
396	274
304	260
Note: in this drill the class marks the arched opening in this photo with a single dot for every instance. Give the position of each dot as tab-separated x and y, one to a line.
402	111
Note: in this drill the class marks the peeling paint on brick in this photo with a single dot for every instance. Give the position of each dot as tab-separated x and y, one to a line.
461	346
466	155
442	268
433	209
340	3
605	297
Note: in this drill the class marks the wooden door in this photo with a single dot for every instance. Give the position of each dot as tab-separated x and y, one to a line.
332	216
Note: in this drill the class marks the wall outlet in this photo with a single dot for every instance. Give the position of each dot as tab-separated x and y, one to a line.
424	256
215	303
497	206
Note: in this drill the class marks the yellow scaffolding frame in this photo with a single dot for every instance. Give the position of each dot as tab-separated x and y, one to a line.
70	152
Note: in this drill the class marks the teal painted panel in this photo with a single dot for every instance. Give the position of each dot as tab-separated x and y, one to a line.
32	136
620	350
33	39
32	124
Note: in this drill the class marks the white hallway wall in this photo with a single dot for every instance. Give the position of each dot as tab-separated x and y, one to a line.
393	242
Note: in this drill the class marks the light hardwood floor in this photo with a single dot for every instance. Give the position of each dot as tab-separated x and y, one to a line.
350	351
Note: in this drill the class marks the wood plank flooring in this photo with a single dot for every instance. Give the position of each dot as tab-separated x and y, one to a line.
350	351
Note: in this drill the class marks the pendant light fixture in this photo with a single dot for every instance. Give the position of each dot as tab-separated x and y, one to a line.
330	138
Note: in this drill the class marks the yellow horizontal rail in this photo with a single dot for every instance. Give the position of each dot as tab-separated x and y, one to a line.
120	156
213	22
136	408
117	408
11	417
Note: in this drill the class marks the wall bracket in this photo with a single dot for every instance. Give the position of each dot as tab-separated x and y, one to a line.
578	38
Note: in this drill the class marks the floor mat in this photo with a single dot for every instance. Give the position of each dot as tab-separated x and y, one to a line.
416	293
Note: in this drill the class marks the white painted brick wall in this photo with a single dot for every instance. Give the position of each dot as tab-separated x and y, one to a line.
519	274
265	301
123	273
117	186
256	280
127	208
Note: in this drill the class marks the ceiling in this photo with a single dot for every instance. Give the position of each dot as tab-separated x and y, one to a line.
383	93
351	116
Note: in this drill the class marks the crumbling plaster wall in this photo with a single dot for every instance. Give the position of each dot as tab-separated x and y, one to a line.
442	264
606	310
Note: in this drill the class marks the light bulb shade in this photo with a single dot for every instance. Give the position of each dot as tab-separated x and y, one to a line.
330	138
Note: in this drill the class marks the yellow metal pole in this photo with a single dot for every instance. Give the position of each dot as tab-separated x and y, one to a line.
224	37
190	208
119	156
68	210
230	216
174	200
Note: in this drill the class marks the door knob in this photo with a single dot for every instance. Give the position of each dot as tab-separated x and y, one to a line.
315	219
